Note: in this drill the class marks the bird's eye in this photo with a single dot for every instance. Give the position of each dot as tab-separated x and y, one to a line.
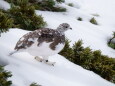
66	27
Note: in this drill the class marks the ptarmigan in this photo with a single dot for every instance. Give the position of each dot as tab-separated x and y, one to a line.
43	42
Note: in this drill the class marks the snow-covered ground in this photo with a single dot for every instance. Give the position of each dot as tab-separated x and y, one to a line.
26	69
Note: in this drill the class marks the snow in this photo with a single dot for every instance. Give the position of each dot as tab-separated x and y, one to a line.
26	69
4	5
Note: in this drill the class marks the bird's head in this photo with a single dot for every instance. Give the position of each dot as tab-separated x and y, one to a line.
64	27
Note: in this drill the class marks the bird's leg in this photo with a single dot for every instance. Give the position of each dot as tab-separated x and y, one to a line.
45	59
38	59
50	63
12	53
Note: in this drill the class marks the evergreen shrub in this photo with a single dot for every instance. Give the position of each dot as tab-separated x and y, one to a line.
44	5
4	75
70	4
111	42
5	21
91	60
49	5
60	1
79	19
93	21
35	84
24	17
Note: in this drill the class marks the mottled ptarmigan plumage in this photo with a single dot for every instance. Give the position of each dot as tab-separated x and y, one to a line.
43	42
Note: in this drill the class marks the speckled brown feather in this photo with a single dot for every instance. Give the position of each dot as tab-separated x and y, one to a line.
42	35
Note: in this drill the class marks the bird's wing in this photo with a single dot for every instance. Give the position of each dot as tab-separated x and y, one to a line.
25	41
41	35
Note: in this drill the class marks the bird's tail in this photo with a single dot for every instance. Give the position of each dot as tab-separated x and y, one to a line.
12	53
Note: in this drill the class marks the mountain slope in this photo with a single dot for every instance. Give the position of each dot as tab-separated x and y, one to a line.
26	69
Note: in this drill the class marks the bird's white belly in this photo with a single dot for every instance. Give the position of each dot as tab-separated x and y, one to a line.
44	49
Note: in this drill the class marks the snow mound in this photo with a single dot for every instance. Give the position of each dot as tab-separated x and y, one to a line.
4	5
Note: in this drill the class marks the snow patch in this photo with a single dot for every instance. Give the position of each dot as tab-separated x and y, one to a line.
4	5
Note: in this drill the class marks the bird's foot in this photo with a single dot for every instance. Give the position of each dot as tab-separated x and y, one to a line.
45	61
49	63
38	59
